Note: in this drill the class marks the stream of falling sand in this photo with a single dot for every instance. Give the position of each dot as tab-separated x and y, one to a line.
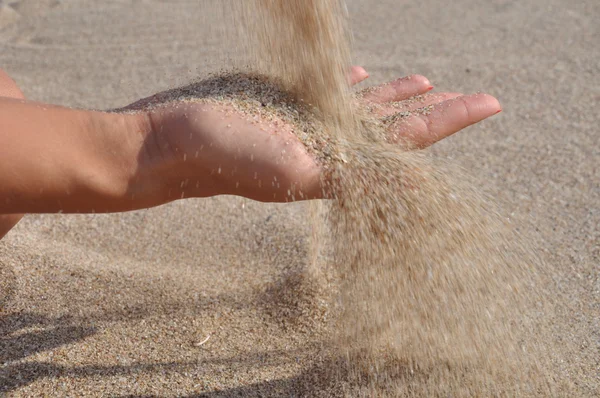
434	283
429	287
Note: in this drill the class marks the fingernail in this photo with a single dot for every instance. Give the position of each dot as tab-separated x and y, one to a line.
429	88
498	111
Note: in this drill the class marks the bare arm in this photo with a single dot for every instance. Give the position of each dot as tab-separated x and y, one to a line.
55	159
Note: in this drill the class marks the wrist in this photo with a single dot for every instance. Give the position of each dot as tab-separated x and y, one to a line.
125	174
145	172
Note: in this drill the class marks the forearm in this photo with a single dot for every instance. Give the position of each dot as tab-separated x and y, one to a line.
55	159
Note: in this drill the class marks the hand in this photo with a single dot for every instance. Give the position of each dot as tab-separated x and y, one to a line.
212	149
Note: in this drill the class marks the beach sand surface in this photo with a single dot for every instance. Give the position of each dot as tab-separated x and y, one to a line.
122	305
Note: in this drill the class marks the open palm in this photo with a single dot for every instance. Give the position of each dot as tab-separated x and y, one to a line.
214	149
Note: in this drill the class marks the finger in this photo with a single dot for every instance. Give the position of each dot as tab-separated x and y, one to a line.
8	87
445	119
398	90
357	75
412	104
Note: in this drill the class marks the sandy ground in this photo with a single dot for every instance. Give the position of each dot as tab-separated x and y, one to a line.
118	304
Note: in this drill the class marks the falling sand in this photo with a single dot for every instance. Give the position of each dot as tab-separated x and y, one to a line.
426	284
434	284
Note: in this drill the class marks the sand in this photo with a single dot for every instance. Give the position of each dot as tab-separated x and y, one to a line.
118	305
432	280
